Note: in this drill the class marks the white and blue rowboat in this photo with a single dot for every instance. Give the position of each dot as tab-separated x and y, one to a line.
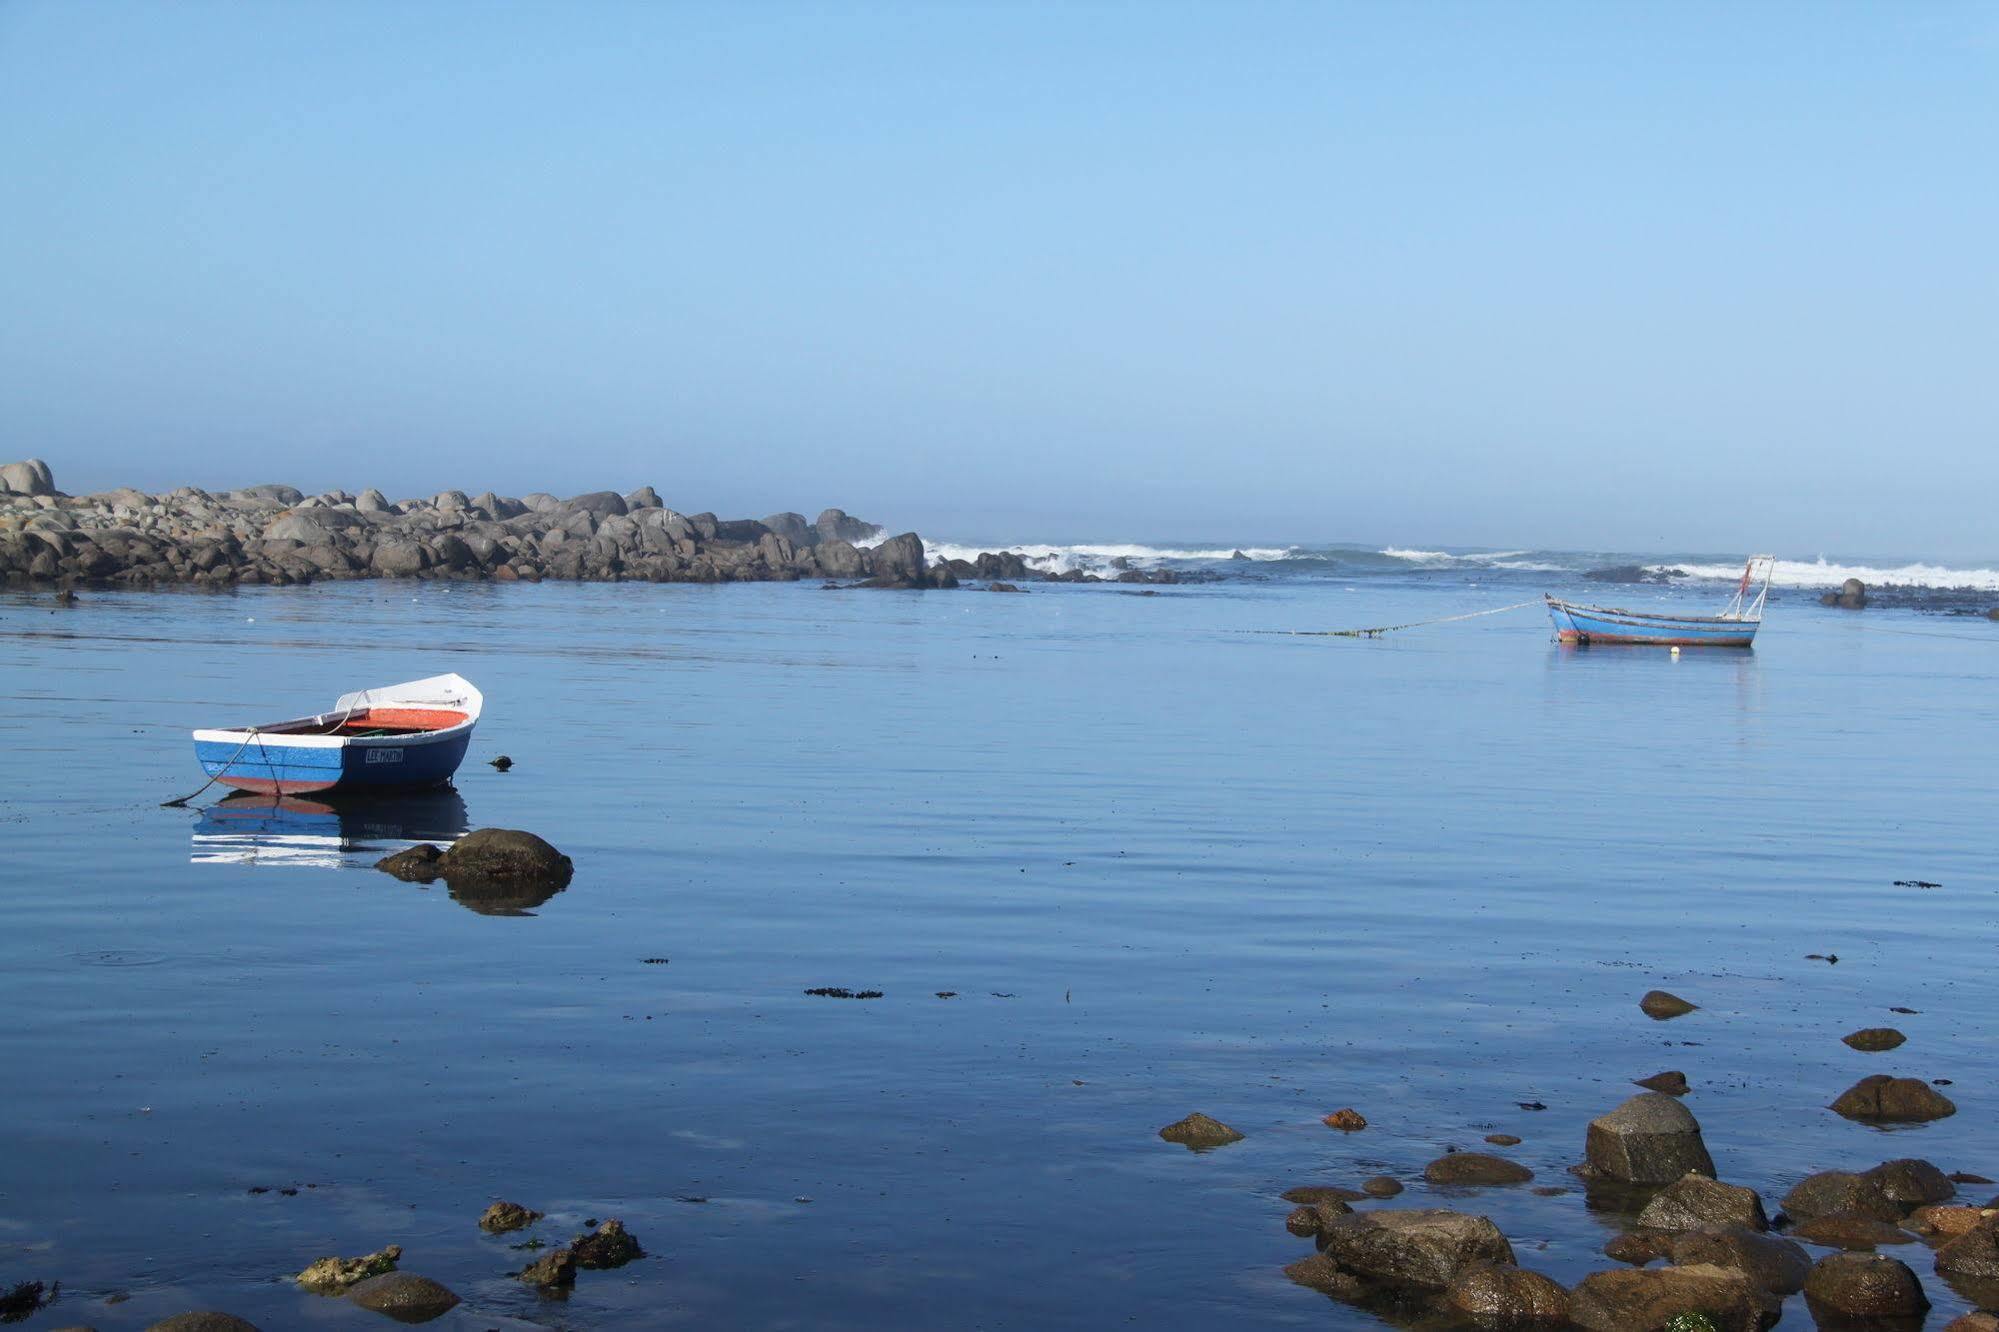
397	737
1735	627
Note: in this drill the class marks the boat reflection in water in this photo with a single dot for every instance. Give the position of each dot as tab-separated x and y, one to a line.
352	833
322	833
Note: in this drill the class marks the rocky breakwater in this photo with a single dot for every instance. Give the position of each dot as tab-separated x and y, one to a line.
273	534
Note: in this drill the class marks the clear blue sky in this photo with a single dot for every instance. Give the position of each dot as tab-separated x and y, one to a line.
1619	275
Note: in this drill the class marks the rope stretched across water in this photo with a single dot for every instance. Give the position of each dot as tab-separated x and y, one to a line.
1379	630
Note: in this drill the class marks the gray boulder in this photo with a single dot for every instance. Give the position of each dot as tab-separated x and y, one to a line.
645	497
399	557
1852	595
793	528
900	557
837	525
27	478
286	495
1650	1139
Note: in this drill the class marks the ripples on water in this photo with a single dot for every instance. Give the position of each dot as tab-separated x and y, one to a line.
1162	865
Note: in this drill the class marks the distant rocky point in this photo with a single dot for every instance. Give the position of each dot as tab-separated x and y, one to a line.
275	534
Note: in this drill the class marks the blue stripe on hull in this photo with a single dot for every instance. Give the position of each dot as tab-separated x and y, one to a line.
298	770
1574	624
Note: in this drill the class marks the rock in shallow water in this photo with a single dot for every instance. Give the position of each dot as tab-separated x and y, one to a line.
1507	1299
551	1271
1840	1193
1429	1248
1641	1299
1912	1183
404	1296
1672	1082
1693	1201
1650	1139
1873	1040
1197	1132
1862	1286
1777	1265
1475	1168
330	1276
1881	1099
1381	1186
503	1216
204	1320
609	1245
1662	1004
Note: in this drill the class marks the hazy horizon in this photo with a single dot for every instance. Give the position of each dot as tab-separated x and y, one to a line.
1642	278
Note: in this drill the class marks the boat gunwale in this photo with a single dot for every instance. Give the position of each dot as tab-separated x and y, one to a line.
1613	612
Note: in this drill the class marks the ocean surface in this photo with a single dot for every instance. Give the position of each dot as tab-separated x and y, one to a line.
1159	857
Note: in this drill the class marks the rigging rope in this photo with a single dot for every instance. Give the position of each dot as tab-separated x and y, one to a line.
1379	630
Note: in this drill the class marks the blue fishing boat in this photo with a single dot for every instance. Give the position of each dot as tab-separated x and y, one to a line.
394	738
1735	626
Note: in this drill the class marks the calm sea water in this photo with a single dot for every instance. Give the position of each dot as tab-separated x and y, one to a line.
1160	863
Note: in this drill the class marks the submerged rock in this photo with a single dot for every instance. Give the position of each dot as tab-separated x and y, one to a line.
403	1296
1380	1186
1322	1274
18	1301
1475	1168
1308	1194
1661	1004
1672	1082
1650	1139
1198	1132
1694	1201
1884	1100
1857	1286
503	1216
1347	1121
609	1245
330	1276
204	1320
1635	1299
1507	1299
1429	1248
1847	1231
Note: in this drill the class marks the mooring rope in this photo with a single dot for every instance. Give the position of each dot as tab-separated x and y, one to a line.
1379	630
182	802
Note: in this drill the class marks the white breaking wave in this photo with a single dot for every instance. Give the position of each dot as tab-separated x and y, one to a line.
1096	559
1822	573
1498	559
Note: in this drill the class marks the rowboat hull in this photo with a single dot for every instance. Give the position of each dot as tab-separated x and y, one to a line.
1603	625
398	738
274	766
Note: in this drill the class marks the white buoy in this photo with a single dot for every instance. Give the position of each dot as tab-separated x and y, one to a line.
1676	651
